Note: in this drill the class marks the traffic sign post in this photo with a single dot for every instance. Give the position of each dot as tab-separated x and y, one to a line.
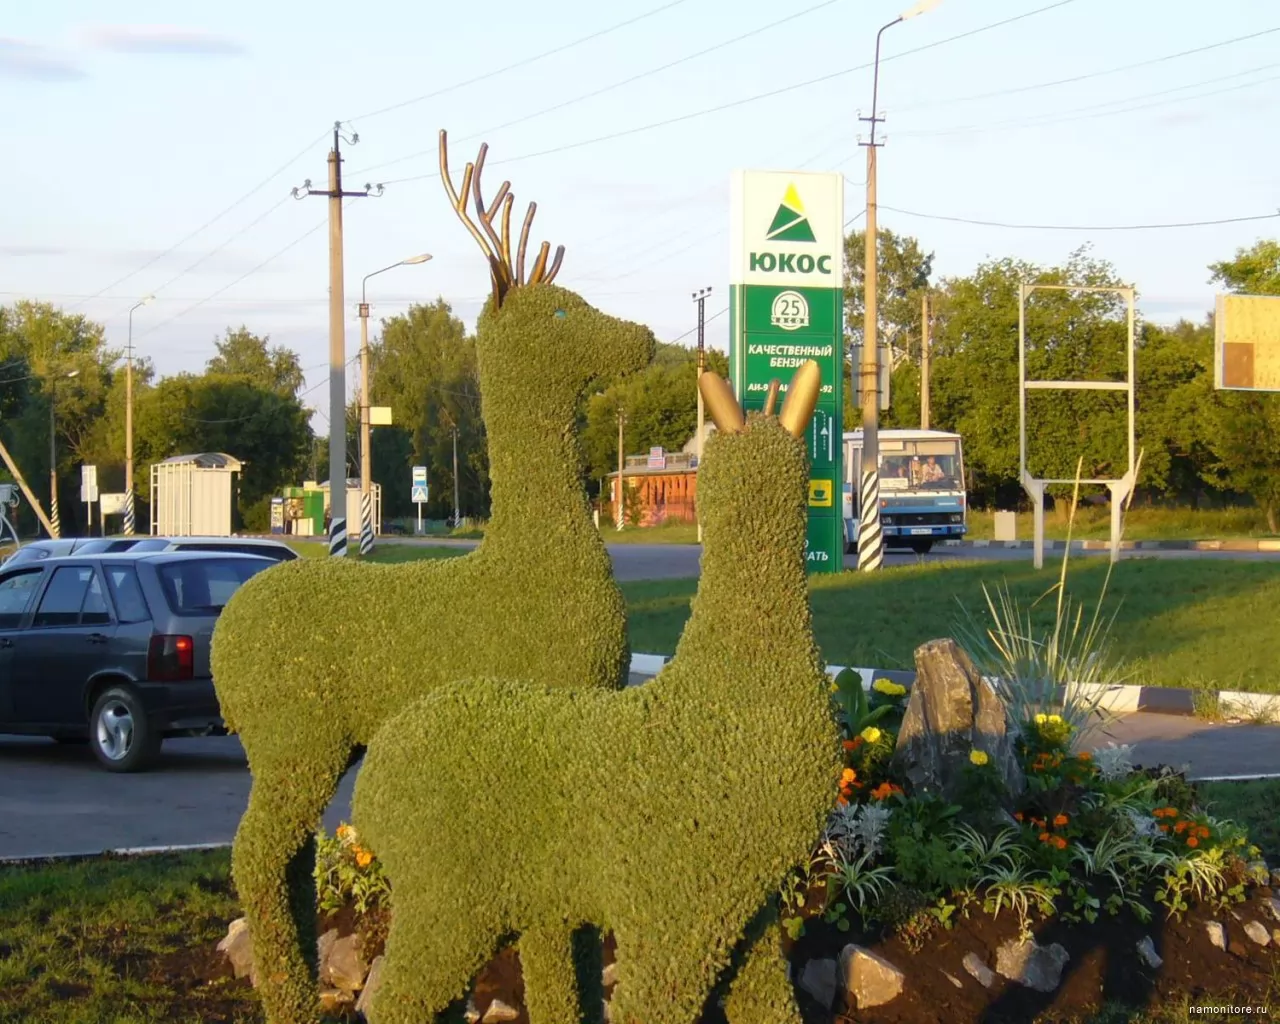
89	493
421	491
786	306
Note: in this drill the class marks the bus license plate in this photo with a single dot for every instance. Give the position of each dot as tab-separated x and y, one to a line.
920	530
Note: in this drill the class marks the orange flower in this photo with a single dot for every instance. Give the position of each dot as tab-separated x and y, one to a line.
1181	826
1038	821
847	777
842	801
1059	842
853	744
1192	841
364	858
1085	756
1060	820
1045	837
1164	828
884	791
1018	815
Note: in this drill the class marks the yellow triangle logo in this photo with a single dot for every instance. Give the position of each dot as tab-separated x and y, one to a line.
792	199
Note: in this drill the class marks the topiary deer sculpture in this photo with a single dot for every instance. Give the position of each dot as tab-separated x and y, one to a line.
311	657
668	813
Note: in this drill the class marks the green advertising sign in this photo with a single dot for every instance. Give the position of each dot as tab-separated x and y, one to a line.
787	307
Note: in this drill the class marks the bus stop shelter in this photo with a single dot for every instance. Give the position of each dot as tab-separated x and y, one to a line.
193	495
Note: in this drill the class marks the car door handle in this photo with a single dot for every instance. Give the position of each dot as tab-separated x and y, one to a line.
98	638
5	642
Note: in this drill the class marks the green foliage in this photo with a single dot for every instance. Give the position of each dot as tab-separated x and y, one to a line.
667	813
317	654
242	353
347	873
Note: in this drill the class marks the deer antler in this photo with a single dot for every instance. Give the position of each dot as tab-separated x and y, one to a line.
496	245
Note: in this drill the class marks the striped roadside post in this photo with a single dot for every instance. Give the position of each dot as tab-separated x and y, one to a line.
338	538
870	532
130	521
54	521
366	523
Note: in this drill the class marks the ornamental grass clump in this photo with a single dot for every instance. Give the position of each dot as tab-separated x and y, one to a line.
667	814
313	655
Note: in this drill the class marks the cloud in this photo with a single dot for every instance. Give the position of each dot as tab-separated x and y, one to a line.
20	59
162	39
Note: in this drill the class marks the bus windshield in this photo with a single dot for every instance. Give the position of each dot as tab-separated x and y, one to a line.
931	464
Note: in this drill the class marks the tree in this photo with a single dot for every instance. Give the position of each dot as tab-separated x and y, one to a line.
902	274
1253	271
243	354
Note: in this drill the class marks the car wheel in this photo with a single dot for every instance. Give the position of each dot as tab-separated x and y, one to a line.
122	738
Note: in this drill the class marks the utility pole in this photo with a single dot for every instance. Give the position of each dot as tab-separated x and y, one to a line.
457	514
924	361
620	511
337	339
130	516
55	527
700	297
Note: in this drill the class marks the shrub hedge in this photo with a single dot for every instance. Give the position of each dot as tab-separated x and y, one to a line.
668	813
310	657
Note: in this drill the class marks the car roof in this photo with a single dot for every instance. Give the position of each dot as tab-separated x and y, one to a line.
264	541
157	557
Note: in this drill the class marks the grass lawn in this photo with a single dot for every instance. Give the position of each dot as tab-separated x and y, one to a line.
1187	623
1094	523
1253	803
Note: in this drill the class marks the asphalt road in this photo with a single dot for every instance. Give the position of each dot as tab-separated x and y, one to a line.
56	800
675	561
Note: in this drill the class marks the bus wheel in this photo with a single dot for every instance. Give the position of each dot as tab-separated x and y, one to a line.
922	547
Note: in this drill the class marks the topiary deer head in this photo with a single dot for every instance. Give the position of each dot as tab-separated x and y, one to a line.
529	320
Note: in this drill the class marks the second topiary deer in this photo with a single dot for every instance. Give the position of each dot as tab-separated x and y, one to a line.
310	658
667	814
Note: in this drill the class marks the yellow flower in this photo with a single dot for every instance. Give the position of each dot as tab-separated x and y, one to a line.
1041	719
870	734
978	757
889	689
834	688
346	834
364	858
1056	719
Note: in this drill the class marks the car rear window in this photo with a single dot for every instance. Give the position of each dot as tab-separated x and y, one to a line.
204	586
277	553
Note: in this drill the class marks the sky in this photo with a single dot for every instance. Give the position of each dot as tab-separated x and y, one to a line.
148	155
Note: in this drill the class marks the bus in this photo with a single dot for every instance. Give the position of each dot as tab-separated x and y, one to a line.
922	496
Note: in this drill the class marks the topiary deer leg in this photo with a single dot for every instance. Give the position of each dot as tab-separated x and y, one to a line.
762	992
550	982
663	974
273	865
431	956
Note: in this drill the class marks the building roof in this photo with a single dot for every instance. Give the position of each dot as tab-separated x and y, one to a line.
205	460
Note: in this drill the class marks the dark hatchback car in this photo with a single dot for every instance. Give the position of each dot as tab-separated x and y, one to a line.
114	649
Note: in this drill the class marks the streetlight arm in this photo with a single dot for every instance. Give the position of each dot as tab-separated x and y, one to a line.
875	76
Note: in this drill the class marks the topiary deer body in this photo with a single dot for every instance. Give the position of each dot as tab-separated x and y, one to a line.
309	658
668	813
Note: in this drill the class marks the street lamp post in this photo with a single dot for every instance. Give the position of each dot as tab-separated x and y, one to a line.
366	463
54	519
130	518
870	533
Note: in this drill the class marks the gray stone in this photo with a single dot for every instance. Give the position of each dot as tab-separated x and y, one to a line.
1217	934
238	946
333	1000
953	979
1274	904
606	1011
1275	936
819	979
1275	878
324	946
471	1015
610	975
499	1011
1257	932
952	712
869	980
371	985
1147	953
978	971
346	968
1035	966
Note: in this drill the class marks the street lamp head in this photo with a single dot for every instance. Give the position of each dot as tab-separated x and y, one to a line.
920	8
417	259
146	300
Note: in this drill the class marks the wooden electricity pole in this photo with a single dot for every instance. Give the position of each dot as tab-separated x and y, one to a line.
924	361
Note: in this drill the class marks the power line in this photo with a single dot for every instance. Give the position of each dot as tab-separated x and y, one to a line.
744	101
213	220
1084	227
1096	110
1086	77
618	84
693	330
518	64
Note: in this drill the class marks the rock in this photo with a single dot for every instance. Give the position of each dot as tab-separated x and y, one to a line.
346	968
1147	953
610	975
978	971
333	1000
371	984
869	980
1275	936
953	979
471	1015
324	946
1257	932
951	712
819	979
606	1012
1037	967
1274	904
238	946
1237	948
499	1011
1217	934
1275	878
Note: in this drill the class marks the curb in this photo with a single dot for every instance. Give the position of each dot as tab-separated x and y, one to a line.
1231	544
1121	698
123	851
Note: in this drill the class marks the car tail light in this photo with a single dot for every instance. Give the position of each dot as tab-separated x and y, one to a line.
171	658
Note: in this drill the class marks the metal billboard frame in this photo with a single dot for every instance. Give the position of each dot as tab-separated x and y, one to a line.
1120	489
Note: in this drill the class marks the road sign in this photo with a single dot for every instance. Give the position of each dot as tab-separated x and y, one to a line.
786	306
1247	343
112	504
420	493
419	476
88	484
